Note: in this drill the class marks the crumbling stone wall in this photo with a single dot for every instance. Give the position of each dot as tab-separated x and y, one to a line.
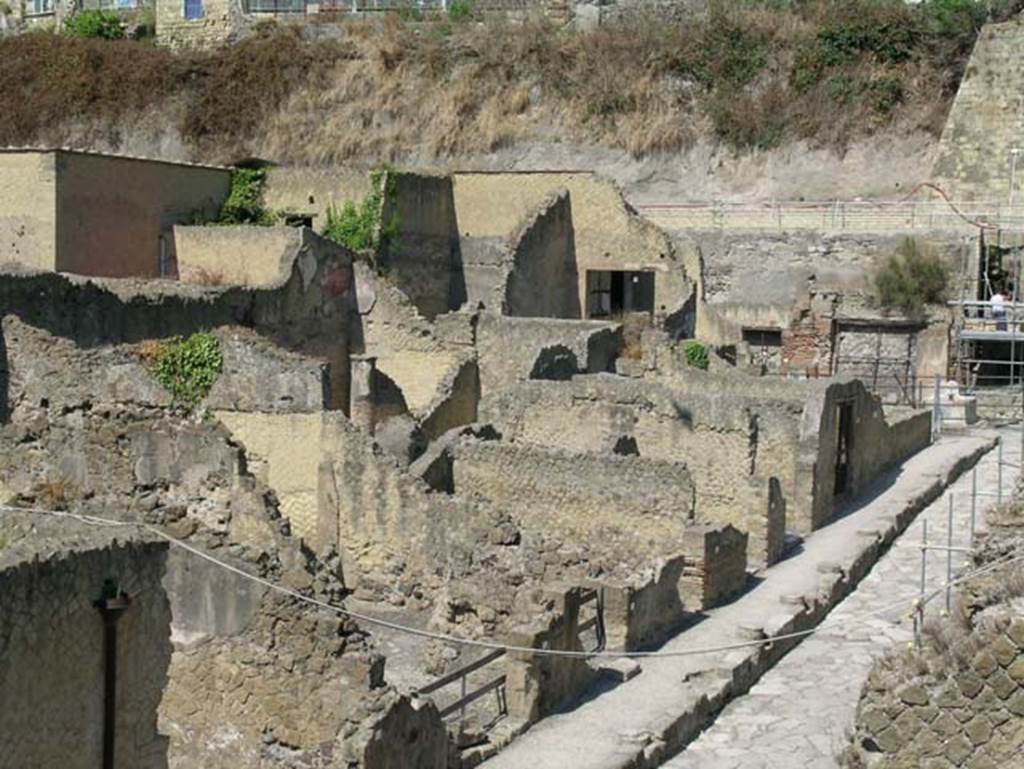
635	503
422	256
52	649
607	233
241	651
241	255
309	311
542	279
715	437
875	445
511	350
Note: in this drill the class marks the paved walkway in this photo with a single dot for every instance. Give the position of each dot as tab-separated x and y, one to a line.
609	731
799	714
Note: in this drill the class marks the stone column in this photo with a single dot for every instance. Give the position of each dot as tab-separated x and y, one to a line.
361	394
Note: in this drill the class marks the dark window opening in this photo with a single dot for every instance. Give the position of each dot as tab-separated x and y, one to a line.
844	439
763	337
611	293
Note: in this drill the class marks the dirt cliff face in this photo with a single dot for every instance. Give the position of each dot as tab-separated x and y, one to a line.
807	94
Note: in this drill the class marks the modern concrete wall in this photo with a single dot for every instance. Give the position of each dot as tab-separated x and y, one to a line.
112	211
28	209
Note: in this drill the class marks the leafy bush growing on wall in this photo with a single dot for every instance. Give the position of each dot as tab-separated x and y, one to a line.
186	368
910	279
244	204
94	23
460	10
358	226
695	354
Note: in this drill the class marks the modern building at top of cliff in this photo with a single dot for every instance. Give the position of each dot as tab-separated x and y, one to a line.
100	215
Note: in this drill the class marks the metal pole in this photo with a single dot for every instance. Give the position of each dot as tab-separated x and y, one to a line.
919	616
462	710
974	503
999	492
949	557
937	409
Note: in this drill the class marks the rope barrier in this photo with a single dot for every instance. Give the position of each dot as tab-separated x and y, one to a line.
468	642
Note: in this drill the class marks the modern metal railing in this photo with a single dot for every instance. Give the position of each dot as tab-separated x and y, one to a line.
837	215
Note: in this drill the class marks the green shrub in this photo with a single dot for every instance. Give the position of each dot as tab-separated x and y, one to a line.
357	226
460	10
910	279
94	23
188	368
695	354
244	204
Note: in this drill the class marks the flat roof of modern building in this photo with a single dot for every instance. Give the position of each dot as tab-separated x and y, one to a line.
11	150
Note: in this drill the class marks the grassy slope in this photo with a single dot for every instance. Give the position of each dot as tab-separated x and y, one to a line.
753	75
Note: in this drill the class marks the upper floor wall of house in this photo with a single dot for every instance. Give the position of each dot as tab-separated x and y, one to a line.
100	215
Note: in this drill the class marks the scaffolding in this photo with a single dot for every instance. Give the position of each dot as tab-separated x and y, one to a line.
988	316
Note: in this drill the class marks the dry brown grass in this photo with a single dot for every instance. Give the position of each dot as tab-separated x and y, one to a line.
55	494
754	75
203	276
149	351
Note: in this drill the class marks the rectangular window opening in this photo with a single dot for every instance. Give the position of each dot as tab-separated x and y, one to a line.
612	293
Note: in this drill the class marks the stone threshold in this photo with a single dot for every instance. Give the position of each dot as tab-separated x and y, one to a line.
796	595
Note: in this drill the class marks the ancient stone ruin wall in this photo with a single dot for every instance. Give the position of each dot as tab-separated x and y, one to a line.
875	445
241	255
607	233
714	437
255	680
52	648
637	504
542	279
800	284
313	190
308	312
715	569
421	256
511	350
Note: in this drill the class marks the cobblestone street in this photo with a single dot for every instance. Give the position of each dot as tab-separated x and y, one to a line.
800	713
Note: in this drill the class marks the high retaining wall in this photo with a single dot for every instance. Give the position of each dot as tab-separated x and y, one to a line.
975	160
52	651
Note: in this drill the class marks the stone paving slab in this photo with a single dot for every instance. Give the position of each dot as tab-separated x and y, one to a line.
643	721
812	694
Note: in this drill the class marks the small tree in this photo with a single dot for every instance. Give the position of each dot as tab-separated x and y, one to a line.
910	279
696	355
244	204
94	23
